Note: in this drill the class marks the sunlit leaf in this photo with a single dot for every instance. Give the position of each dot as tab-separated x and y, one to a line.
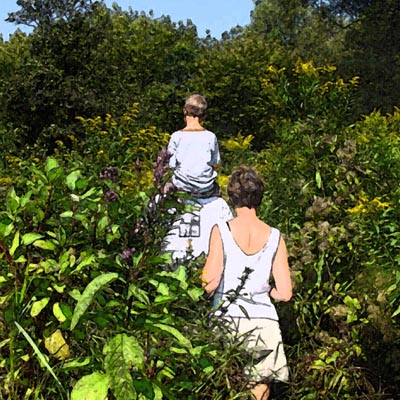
38	306
57	346
171	331
122	353
89	294
44	244
15	243
71	179
57	311
91	387
29	238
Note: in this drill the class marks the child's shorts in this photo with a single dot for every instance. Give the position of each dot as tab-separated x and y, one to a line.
263	341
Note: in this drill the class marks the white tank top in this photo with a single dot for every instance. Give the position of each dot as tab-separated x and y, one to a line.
244	286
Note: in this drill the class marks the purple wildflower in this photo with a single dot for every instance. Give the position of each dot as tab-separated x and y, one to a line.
128	253
110	173
161	166
111	196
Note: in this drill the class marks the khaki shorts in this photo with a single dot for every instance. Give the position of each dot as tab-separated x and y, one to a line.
263	341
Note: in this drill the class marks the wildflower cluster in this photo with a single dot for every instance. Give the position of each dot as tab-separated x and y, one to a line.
111	196
110	173
161	167
128	253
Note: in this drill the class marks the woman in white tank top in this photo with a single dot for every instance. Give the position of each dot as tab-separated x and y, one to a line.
244	253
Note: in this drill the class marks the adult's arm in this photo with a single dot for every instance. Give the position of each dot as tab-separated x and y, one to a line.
281	273
212	270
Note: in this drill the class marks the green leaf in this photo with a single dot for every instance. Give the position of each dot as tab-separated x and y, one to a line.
89	294
139	294
15	243
71	179
37	306
67	214
89	193
171	332
57	311
77	363
91	387
128	349
122	353
29	238
25	198
87	260
6	229
318	179
51	163
12	200
195	293
179	274
45	244
397	312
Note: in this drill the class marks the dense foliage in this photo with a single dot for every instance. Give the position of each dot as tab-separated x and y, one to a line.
90	307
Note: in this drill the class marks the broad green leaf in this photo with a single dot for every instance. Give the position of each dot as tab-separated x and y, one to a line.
87	260
15	243
71	179
38	306
128	350
162	288
139	294
89	294
195	293
29	238
25	198
45	244
122	353
51	163
103	223
12	200
6	229
91	387
179	274
171	331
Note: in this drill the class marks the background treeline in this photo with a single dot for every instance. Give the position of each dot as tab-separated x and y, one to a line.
307	93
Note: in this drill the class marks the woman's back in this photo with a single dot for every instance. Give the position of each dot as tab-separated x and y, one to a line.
250	234
247	269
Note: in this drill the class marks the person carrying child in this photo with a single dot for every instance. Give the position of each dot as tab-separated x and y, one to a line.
194	153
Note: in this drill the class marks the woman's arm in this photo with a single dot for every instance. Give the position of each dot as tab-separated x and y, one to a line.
212	270
281	273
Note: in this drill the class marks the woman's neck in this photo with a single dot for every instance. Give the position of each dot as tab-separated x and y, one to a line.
193	124
245	213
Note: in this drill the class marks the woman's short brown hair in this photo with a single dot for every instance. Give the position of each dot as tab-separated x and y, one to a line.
245	188
195	106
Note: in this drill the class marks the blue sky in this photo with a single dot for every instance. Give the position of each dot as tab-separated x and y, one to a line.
216	15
